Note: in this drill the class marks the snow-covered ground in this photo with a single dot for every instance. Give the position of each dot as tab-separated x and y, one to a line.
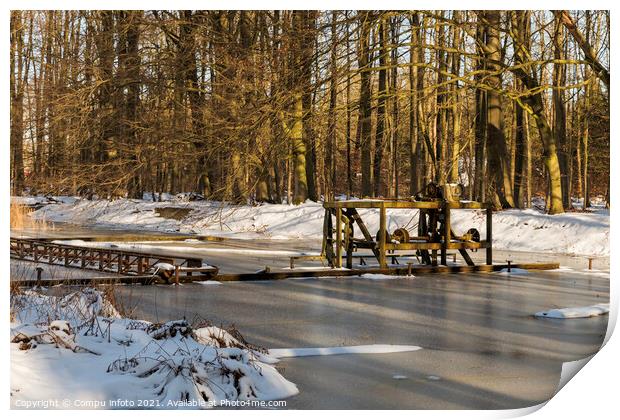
77	350
585	233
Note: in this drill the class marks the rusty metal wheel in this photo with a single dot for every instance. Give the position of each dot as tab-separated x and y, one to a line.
474	234
401	235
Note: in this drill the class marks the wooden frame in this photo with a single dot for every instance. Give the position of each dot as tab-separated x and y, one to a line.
439	222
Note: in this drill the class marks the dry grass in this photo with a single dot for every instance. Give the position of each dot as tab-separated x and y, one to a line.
21	219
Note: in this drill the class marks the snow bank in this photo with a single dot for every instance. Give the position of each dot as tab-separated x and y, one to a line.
579	312
517	230
73	349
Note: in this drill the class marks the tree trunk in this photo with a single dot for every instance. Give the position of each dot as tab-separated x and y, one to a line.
499	169
364	123
559	122
480	119
330	150
299	152
17	107
414	179
533	100
455	109
381	112
441	129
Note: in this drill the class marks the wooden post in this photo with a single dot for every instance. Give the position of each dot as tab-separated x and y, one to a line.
446	234
382	236
325	236
328	233
489	235
349	242
338	237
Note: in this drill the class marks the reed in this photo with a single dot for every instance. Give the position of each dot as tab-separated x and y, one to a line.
21	219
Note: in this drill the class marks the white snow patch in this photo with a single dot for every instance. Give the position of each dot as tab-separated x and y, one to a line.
164	266
578	312
513	271
153	248
331	351
372	276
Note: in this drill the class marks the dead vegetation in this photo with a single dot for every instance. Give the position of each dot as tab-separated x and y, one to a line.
177	360
21	219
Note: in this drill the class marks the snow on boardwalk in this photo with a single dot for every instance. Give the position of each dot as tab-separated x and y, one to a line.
518	230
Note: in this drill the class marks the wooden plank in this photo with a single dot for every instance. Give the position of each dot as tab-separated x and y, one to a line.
466	205
469	245
377	204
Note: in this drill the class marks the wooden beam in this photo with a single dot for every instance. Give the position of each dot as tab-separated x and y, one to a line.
415	270
377	204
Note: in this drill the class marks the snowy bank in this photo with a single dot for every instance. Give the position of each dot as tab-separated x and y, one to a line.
579	312
77	348
517	230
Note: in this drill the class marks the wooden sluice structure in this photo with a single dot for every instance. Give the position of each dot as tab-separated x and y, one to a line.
431	241
434	230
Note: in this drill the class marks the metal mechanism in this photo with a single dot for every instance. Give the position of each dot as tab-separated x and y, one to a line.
110	260
434	231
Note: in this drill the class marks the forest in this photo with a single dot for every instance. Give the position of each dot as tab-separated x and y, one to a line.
289	106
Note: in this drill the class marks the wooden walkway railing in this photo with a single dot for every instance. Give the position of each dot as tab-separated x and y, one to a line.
101	259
